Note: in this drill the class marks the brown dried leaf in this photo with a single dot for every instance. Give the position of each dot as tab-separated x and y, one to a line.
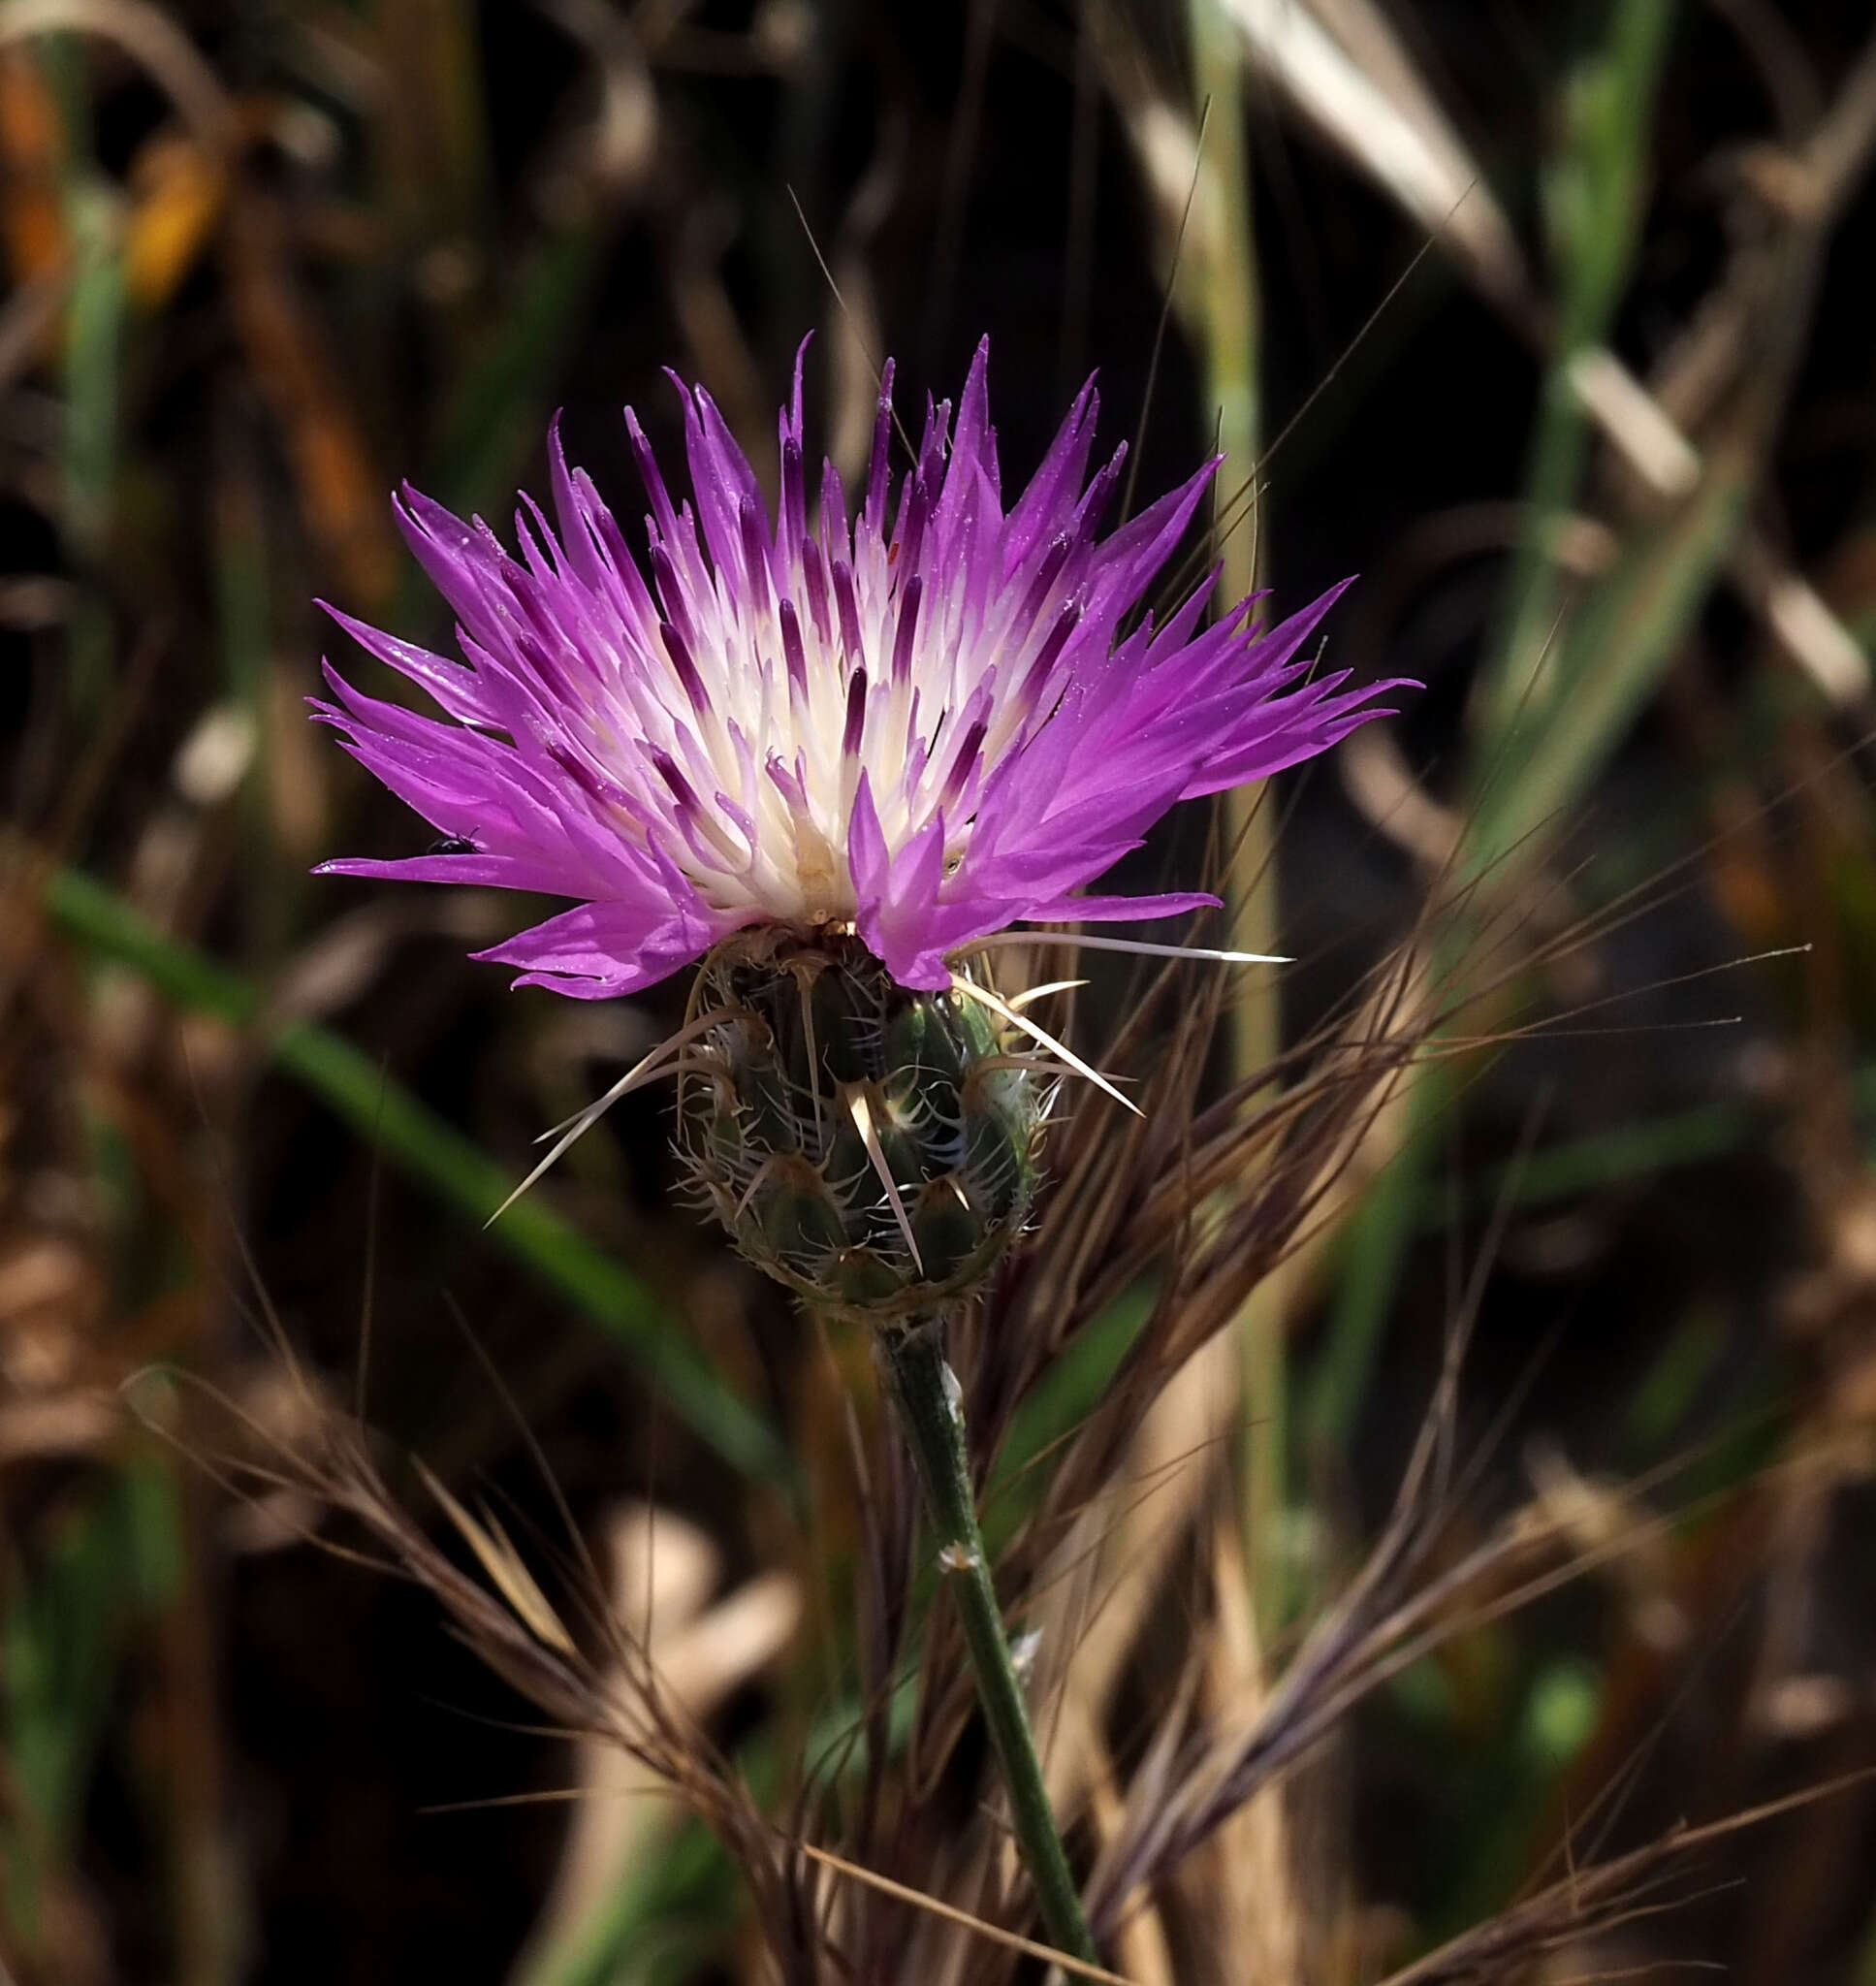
340	489
179	190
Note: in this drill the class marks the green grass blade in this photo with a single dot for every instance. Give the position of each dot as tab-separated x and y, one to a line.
1557	694
1593	197
1227	320
113	1560
429	1151
668	1911
94	320
1610	658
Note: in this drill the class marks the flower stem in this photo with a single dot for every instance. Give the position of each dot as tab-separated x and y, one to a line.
933	1418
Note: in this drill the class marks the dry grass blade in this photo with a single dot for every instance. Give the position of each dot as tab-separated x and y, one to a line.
151	37
934	1907
1343	68
629	1707
1595	1896
1392	1611
499	1559
662	1572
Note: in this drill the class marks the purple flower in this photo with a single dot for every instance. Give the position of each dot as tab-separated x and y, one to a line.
924	725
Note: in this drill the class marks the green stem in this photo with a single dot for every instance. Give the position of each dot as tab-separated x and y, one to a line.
932	1417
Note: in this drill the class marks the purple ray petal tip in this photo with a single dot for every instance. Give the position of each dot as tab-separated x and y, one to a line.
957	751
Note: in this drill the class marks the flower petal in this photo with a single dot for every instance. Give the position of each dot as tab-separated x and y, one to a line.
597	952
928	721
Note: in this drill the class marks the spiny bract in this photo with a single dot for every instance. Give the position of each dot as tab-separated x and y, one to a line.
868	1144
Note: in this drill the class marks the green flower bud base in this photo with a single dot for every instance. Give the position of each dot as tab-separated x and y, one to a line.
871	1146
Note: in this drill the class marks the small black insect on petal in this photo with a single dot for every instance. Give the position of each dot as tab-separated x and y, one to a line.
451	845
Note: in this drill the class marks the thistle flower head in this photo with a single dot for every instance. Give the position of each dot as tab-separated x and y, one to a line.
918	724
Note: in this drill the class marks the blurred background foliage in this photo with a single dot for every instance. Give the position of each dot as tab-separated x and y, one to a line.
1552	318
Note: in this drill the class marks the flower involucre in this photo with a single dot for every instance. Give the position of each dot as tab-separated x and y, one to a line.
922	725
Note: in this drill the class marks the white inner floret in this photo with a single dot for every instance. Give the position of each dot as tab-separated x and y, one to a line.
756	763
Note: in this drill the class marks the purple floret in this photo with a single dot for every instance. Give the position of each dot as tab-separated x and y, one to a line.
925	729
